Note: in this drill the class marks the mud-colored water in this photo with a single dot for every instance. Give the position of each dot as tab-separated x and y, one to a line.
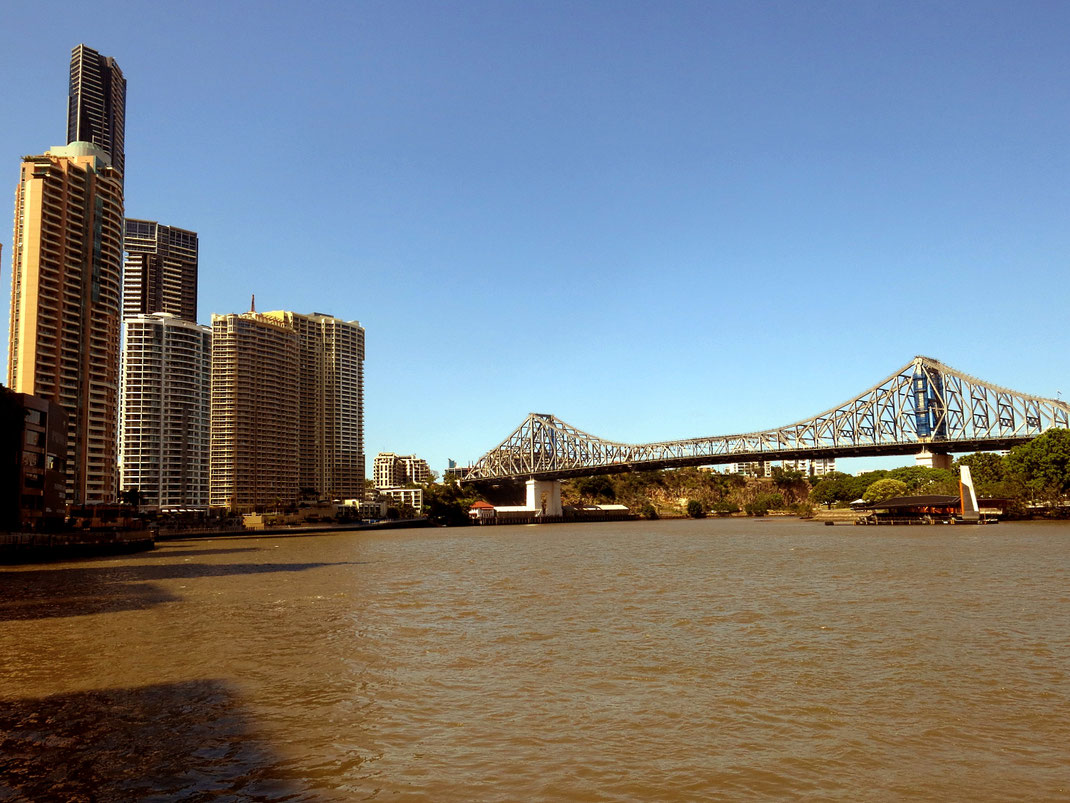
679	660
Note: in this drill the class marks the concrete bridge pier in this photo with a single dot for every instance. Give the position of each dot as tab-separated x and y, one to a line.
545	495
928	459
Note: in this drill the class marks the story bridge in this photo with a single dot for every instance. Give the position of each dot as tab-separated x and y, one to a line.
925	408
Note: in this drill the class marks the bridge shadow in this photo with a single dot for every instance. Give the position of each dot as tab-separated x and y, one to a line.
83	590
172	741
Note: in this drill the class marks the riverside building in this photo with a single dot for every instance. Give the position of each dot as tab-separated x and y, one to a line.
330	430
163	440
287	409
160	271
254	398
64	325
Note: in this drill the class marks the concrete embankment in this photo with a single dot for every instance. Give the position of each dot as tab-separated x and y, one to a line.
836	516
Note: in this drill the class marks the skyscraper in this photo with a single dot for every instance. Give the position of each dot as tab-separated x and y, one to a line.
160	271
163	438
330	437
96	106
254	398
64	328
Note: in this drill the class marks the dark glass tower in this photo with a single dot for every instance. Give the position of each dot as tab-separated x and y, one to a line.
96	108
160	273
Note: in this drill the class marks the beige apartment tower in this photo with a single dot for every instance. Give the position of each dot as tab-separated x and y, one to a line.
254	413
287	409
64	327
330	436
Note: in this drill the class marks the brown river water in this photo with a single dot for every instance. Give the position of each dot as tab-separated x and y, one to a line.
664	661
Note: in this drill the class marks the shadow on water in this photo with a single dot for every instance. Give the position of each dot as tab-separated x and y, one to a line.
85	590
170	551
172	741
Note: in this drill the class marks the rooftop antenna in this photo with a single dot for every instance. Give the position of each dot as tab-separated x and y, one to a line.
252	304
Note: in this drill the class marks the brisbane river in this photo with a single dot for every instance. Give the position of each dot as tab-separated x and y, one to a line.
738	659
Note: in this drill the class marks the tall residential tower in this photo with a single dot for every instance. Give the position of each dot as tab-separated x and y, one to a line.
253	452
163	439
330	435
64	330
160	272
96	106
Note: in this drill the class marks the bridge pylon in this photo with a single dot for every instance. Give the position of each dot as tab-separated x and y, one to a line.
928	459
545	495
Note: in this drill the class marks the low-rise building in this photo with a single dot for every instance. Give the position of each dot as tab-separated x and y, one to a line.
36	498
413	497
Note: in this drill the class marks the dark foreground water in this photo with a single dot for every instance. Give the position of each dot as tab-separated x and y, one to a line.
682	660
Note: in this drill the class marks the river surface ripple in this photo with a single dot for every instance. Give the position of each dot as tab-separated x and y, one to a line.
676	660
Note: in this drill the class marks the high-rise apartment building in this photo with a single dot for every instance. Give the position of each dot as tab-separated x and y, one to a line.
96	106
330	434
392	470
287	409
164	413
253	462
64	328
160	271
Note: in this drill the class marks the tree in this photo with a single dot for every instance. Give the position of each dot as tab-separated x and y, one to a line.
986	468
132	497
694	509
1043	464
597	487
448	503
835	487
884	489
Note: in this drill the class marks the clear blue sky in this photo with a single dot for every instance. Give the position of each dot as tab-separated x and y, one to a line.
654	220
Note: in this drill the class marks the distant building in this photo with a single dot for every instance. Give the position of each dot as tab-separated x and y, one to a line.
414	469
160	270
35	495
64	327
456	473
96	107
393	470
165	411
413	497
385	470
817	467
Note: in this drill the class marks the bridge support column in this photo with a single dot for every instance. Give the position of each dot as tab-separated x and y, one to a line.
929	459
545	495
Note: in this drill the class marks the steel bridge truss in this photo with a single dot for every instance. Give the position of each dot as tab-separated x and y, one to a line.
924	405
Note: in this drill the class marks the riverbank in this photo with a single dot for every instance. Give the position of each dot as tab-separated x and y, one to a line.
21	548
312	529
